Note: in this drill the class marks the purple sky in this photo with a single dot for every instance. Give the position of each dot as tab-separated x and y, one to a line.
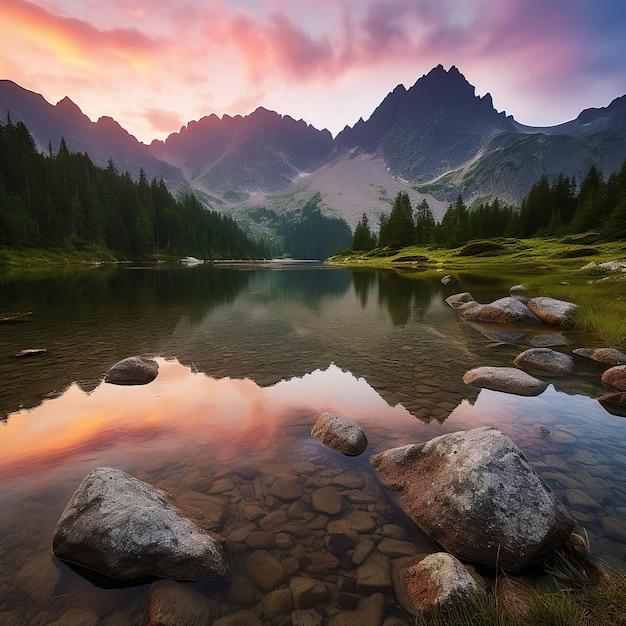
155	65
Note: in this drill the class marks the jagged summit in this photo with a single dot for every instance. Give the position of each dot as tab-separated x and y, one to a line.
437	136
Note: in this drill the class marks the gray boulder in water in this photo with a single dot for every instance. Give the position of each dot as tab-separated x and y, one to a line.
339	433
552	311
608	356
124	528
134	370
505	379
544	361
476	494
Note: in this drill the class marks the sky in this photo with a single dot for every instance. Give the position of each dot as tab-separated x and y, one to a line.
155	65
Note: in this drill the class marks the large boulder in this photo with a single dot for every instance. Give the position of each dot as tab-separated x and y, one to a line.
508	311
124	528
475	494
616	377
608	356
135	370
428	581
544	361
339	433
552	311
506	379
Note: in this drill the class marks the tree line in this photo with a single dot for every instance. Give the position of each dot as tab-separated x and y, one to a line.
64	200
549	209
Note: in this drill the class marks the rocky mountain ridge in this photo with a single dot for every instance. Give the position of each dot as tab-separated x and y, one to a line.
434	140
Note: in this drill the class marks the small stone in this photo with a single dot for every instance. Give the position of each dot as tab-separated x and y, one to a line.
370	612
608	356
241	618
394	548
327	500
544	361
362	551
374	575
277	603
286	488
221	486
264	570
260	540
306	617
578	499
614	528
339	433
307	592
171	603
458	299
505	379
242	592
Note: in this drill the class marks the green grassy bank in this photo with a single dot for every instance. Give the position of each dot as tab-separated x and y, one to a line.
548	267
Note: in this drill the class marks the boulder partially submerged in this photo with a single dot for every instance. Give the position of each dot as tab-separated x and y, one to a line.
505	379
614	403
124	528
476	494
134	370
544	361
608	356
339	433
553	311
508	310
616	377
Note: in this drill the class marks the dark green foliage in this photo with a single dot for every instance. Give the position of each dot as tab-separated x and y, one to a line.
557	208
424	223
398	229
64	200
363	238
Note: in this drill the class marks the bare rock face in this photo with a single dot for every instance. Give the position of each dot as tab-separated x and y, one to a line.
552	311
340	433
475	494
134	370
124	528
609	356
616	377
544	361
434	580
506	379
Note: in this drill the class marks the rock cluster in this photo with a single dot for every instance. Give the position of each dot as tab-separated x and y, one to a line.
539	361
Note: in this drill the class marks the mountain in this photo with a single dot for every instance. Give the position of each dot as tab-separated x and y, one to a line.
235	155
435	126
434	140
102	140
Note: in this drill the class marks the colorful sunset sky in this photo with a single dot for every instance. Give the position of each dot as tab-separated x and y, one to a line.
155	65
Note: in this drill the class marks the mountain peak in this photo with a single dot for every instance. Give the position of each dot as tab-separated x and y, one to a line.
68	106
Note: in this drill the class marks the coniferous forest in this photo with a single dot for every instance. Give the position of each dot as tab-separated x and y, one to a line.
63	200
549	209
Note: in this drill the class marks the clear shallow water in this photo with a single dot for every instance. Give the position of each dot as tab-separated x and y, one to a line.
249	357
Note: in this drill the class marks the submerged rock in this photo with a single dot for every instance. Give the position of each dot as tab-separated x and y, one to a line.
609	356
134	370
544	361
552	311
124	528
339	433
448	279
614	403
506	379
475	494
171	603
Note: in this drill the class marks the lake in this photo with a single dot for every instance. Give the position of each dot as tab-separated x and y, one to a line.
249	356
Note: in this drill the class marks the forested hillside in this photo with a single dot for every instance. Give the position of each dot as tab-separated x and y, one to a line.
61	199
550	209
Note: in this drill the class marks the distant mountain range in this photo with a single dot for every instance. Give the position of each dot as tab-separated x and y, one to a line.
434	140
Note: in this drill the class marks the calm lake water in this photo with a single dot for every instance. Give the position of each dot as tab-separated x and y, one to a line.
249	357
